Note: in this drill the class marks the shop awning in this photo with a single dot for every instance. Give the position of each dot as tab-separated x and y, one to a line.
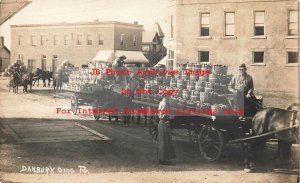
131	56
104	56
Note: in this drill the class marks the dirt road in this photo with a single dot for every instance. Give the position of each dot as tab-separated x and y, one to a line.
39	145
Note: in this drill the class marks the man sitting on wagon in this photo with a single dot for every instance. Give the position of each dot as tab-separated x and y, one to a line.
241	85
117	63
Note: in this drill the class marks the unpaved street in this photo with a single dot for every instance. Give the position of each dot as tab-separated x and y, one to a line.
33	137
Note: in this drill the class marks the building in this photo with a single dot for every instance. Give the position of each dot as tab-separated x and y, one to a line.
8	8
153	47
261	34
45	46
4	55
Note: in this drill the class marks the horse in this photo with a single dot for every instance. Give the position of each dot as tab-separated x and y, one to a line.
41	74
27	79
14	82
270	120
57	80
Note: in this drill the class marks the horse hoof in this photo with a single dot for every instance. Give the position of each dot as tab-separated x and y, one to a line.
247	170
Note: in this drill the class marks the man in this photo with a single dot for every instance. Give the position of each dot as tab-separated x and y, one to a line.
117	63
165	146
241	85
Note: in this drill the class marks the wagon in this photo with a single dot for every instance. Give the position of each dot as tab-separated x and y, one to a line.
210	132
106	99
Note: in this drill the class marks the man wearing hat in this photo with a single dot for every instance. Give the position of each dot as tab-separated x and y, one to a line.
241	85
118	61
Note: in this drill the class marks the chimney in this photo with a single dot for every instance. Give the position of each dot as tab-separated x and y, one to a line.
135	22
1	41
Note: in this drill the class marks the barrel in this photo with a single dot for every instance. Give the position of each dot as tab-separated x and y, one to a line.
197	67
181	84
181	67
194	77
195	95
190	85
213	78
200	86
186	94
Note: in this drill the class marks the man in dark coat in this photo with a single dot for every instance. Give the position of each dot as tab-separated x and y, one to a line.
165	146
241	85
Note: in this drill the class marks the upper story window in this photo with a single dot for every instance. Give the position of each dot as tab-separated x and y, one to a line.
293	22
20	40
204	24
258	57
66	39
172	26
292	57
229	24
100	39
55	40
122	39
134	41
43	40
259	23
33	40
171	55
89	39
203	56
79	39
43	63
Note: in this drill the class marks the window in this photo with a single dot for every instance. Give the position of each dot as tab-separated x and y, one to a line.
66	39
43	40
54	63
31	65
20	40
204	24
55	40
89	40
1	63
292	57
258	57
33	41
229	24
259	23
293	23
100	39
172	28
122	39
44	60
203	56
79	39
145	48
20	57
171	55
134	41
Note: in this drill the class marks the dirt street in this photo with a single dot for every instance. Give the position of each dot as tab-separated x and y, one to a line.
39	145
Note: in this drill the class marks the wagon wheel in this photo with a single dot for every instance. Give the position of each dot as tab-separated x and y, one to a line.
153	127
95	105
210	143
74	103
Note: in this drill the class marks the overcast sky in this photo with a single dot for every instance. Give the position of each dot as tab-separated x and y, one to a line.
146	12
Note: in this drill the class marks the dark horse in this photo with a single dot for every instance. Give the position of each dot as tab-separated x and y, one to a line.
41	74
270	120
14	81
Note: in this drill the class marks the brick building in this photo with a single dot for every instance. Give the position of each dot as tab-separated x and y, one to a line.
45	46
261	34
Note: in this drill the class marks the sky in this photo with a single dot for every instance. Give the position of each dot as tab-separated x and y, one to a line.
146	12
